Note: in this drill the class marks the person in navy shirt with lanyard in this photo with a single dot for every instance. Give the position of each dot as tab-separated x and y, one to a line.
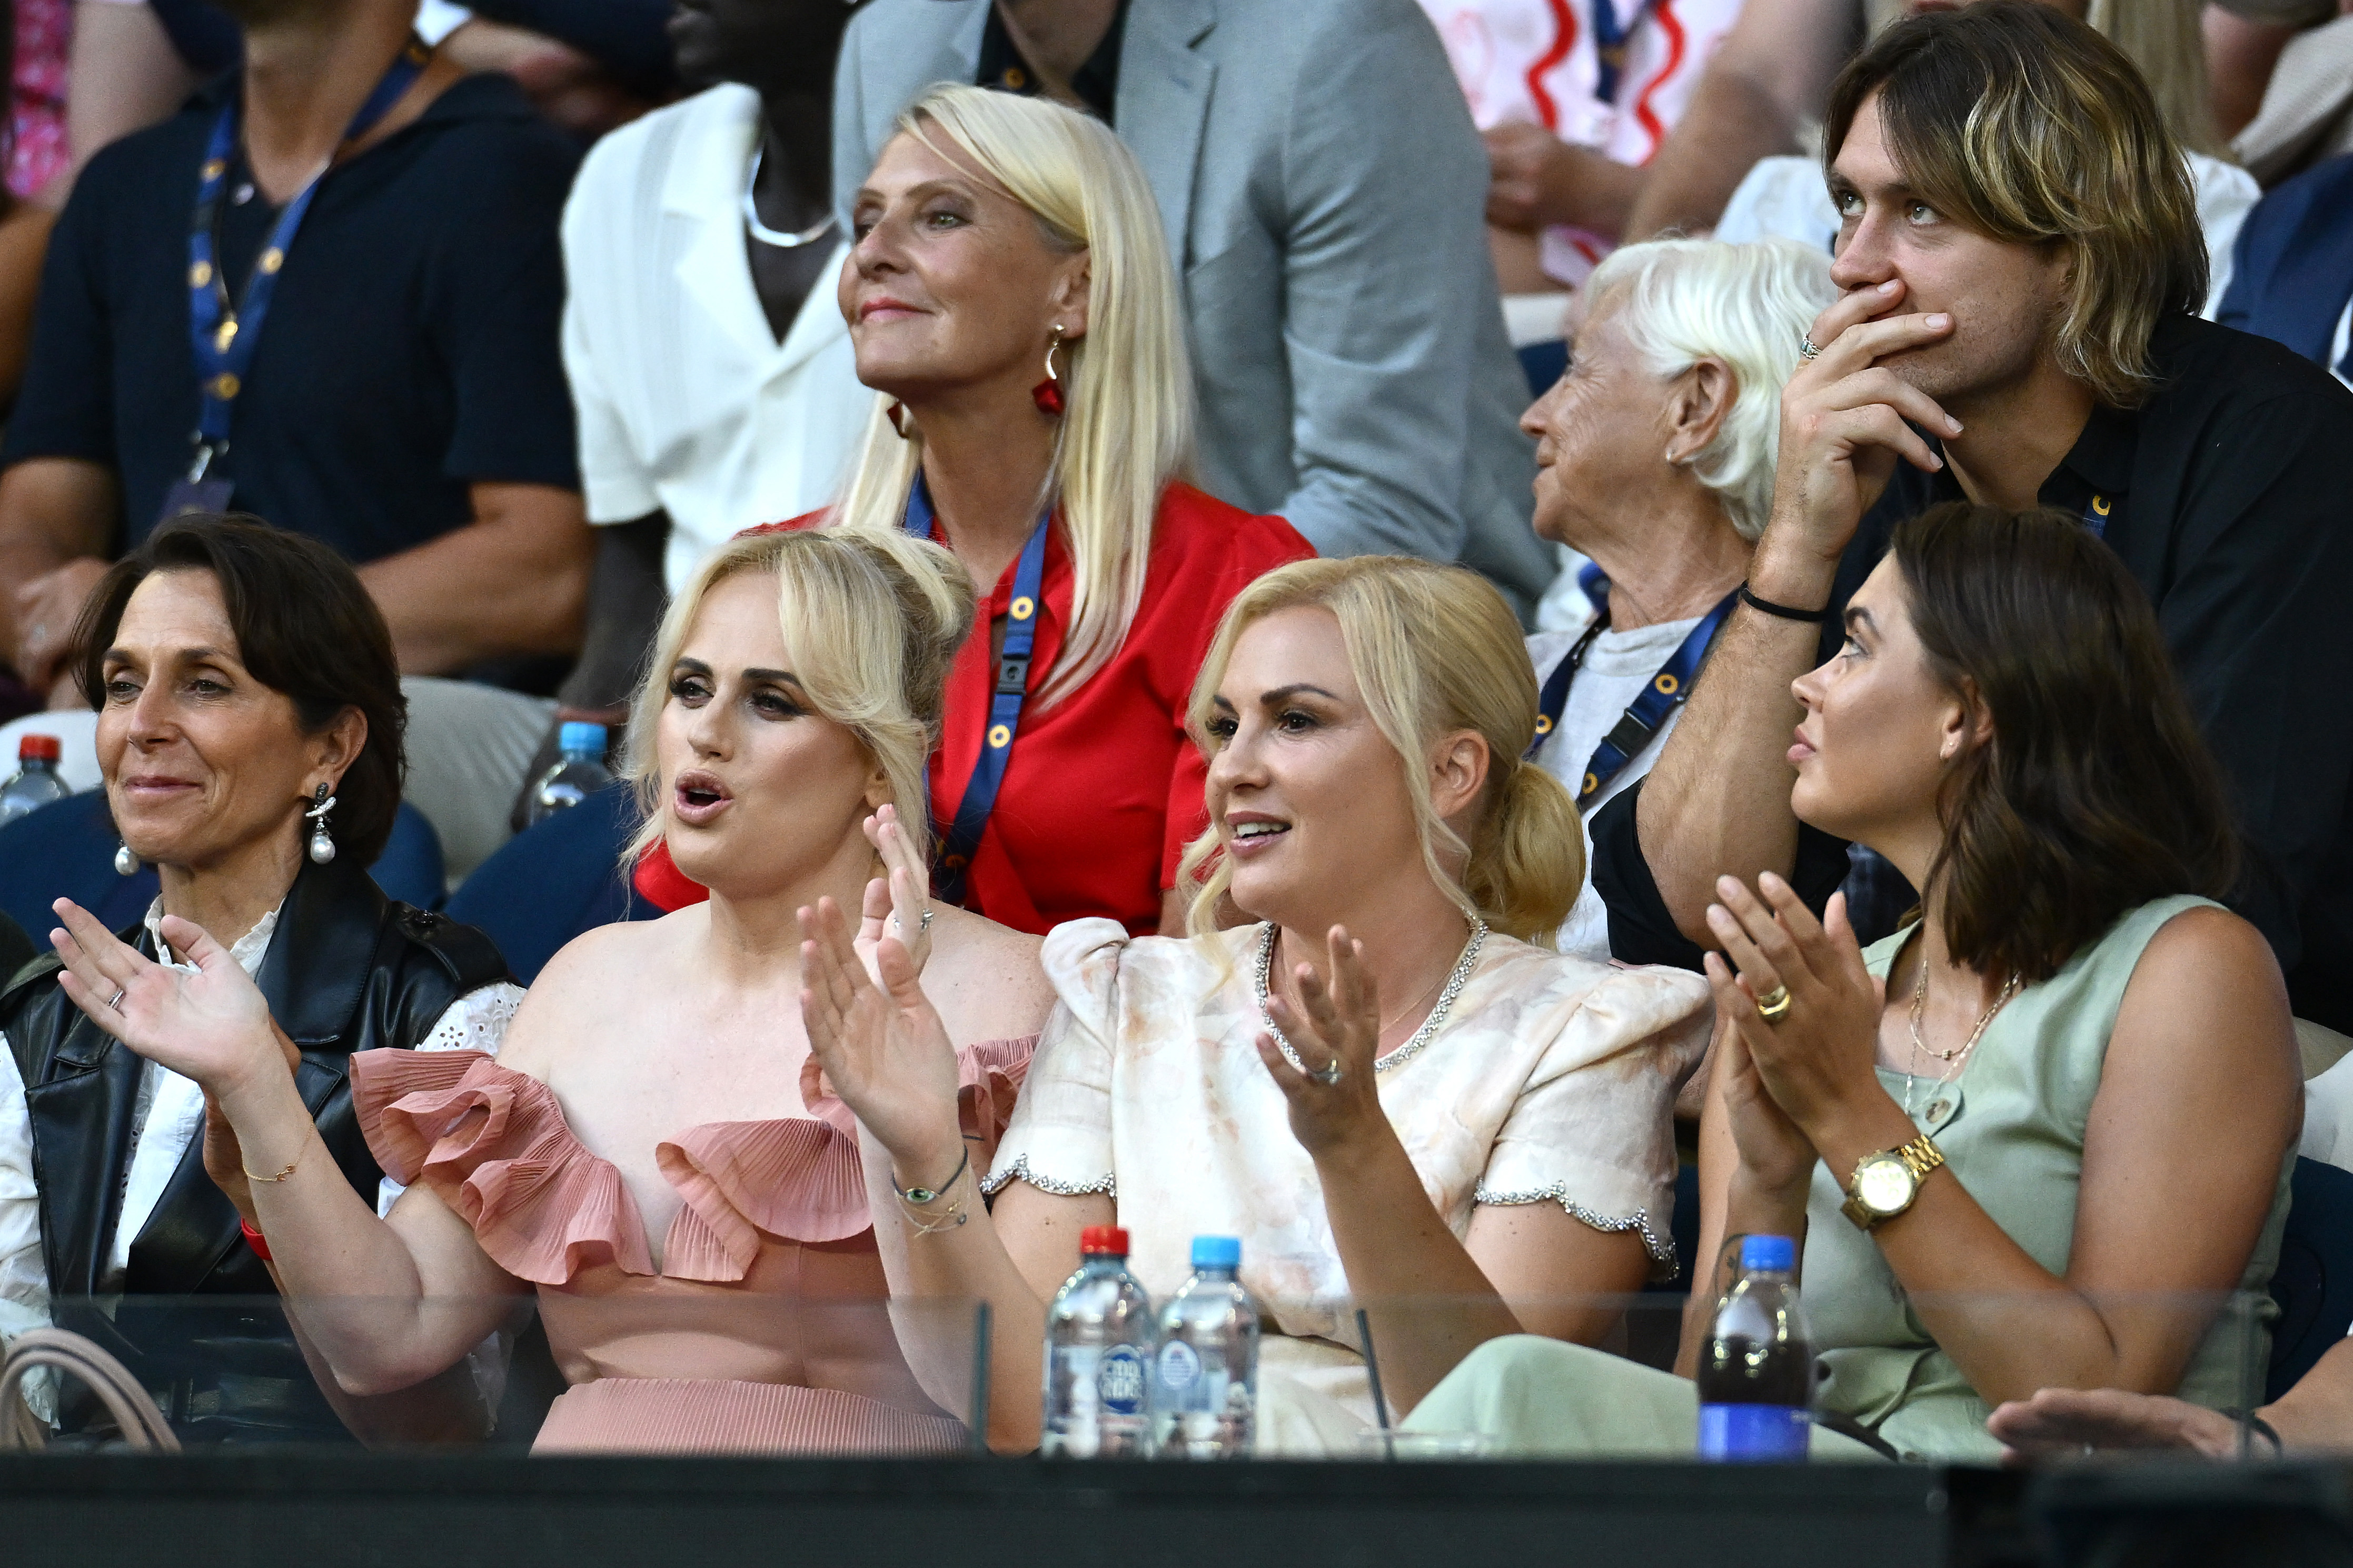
1010	297
1654	459
2018	327
327	293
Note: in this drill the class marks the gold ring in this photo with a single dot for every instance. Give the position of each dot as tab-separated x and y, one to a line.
1774	1006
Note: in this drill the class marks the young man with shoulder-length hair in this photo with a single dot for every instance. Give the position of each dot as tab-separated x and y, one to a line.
2022	266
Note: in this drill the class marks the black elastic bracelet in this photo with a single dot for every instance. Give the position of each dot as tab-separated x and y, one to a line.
1786	612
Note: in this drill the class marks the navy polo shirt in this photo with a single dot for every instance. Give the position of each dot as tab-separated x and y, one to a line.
411	348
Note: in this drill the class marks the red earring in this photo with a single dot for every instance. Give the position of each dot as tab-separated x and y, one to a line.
1048	394
897	414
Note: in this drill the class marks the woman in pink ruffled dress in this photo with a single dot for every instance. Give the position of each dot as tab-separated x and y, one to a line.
654	1152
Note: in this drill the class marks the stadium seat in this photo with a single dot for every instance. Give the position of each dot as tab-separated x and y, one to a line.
554	880
2313	1281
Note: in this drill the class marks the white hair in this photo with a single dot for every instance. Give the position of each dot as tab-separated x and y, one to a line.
1684	300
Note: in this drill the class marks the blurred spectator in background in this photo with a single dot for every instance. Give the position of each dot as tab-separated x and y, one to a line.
2295	280
2283	81
1784	196
1654	459
1323	205
1573	97
710	364
587	65
400	398
2018	328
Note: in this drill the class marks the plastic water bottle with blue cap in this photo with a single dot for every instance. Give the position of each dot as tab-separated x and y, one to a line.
1100	1341
578	774
1757	1369
1206	1401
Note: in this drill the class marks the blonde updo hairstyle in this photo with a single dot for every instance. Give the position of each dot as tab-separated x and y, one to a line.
873	623
1434	650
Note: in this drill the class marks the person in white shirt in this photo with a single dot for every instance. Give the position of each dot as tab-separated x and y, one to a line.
1572	97
249	731
1654	459
709	366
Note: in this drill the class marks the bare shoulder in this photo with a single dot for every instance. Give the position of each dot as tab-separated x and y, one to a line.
588	977
989	974
2207	984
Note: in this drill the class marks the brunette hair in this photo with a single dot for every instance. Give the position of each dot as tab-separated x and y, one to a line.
304	626
2028	126
1434	650
2096	793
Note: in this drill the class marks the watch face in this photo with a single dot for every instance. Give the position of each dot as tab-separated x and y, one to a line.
1884	1184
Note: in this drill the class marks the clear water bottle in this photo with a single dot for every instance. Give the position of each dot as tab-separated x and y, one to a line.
1097	1394
578	774
1757	1369
37	782
1206	1401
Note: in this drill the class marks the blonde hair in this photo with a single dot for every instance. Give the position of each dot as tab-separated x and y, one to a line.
1127	387
1690	299
1434	650
2028	127
871	622
2161	38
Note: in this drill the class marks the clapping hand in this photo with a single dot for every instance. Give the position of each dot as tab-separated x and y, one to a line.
213	1027
898	903
1337	1032
1816	1059
883	1047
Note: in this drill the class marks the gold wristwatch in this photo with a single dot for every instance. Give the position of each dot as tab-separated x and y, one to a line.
1885	1183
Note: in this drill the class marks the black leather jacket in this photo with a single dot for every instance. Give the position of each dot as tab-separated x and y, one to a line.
348	969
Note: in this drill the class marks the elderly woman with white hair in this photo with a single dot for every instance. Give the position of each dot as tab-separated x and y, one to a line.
1654	459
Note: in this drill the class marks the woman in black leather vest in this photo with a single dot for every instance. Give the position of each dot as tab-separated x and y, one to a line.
249	730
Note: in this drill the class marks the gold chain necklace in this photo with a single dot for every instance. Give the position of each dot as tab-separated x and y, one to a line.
1920	1047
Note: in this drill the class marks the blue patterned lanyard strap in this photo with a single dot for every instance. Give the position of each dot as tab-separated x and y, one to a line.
1661	696
224	338
1012	688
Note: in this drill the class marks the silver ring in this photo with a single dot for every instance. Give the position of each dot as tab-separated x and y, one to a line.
1806	349
922	925
1328	1074
115	1001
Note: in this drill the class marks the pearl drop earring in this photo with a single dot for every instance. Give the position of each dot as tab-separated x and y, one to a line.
322	846
126	864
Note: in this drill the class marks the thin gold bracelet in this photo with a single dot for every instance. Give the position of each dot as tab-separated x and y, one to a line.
279	1177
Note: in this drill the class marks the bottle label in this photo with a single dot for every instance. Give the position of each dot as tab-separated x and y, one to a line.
1180	1365
1118	1380
1757	1434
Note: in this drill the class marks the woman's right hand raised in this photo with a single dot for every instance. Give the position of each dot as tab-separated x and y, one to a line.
883	1049
1775	1153
212	1027
1842	429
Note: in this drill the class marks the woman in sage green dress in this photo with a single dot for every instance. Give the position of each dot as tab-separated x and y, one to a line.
2034	1139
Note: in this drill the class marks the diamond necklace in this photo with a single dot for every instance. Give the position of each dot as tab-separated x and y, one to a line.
1420	1037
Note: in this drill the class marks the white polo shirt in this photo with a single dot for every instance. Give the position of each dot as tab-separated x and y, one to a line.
687	403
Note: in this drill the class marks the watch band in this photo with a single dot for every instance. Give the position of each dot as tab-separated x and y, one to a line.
1919	1157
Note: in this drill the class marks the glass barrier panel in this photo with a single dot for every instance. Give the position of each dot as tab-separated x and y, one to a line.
1425	1379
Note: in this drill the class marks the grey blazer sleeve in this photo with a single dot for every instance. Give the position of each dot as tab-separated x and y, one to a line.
1388	285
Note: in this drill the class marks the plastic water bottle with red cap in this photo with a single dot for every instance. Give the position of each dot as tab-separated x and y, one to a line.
1099	1347
1757	1369
1206	1401
37	782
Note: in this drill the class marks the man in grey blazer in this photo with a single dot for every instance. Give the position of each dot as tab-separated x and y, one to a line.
1323	194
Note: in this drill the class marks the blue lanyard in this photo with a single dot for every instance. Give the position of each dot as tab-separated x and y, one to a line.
1661	696
1003	705
224	338
1609	45
2095	515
